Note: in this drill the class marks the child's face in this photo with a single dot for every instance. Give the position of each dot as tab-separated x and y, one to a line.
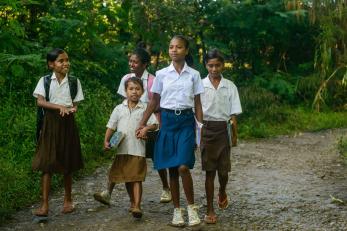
134	92
177	50
135	65
214	68
61	65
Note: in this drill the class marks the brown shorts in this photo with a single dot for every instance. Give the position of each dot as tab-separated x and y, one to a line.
128	168
215	147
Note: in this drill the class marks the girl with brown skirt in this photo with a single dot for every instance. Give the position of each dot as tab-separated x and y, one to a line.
58	149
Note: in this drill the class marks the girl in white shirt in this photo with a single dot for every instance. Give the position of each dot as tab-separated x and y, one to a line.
58	149
177	88
220	103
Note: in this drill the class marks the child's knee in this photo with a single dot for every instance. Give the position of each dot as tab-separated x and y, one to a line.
183	170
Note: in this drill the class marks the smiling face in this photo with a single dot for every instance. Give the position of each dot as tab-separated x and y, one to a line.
61	65
214	68
134	91
136	66
177	50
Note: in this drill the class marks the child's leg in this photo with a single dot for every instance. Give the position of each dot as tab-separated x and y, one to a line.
110	187
45	186
163	177
187	182
68	206
175	187
137	193
129	188
209	187
223	180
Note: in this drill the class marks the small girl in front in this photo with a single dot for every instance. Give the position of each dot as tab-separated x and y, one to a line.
58	149
129	165
177	88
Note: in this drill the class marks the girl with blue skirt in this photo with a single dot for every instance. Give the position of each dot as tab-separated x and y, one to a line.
177	89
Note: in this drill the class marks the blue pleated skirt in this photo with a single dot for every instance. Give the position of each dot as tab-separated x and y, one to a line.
176	141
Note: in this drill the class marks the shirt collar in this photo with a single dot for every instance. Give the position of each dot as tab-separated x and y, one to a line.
144	75
138	105
222	82
55	78
172	68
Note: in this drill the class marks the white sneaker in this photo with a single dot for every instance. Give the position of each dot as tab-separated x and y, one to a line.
193	215
165	196
177	219
103	197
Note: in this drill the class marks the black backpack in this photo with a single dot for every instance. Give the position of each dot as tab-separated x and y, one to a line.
41	111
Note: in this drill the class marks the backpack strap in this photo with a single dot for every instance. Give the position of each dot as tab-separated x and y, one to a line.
47	83
73	86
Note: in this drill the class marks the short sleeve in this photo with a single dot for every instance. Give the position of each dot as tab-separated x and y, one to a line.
157	86
114	118
198	86
40	89
235	102
79	95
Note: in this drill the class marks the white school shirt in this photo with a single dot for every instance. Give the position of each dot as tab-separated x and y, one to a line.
144	78
219	104
127	121
59	93
177	91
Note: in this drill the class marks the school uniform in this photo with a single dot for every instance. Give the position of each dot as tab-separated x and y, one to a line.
218	106
176	140
145	76
58	149
129	164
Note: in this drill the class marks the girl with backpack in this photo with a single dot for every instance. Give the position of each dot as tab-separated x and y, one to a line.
58	148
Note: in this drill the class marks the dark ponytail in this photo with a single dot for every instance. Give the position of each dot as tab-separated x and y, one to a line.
189	58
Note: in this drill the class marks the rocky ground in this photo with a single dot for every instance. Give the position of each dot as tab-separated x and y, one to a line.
283	183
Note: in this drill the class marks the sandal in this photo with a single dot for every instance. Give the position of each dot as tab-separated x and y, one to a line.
210	219
136	212
223	204
68	209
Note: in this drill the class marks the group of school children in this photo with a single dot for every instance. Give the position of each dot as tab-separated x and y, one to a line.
175	101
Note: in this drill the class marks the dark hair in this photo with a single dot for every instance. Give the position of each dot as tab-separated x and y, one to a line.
213	54
189	58
134	80
53	55
143	55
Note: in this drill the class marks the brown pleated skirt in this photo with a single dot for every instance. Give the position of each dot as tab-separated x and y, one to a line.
59	148
128	168
215	147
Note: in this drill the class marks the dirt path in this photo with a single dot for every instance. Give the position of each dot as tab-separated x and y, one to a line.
282	183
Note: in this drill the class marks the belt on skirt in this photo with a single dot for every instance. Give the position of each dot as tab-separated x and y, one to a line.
178	111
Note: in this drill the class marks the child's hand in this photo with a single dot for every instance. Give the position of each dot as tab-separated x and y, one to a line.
107	145
142	134
138	130
73	110
64	111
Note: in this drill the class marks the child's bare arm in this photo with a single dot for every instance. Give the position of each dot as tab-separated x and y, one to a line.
41	102
108	135
234	130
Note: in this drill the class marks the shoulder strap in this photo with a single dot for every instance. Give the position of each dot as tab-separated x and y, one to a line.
47	83
150	81
73	86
